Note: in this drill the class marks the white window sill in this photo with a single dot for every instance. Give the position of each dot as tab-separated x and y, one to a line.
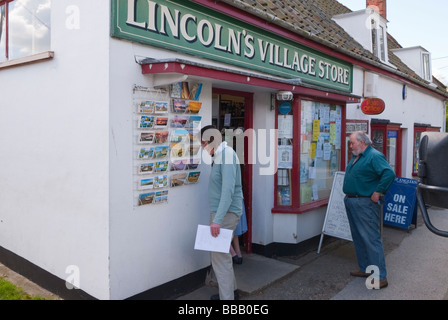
27	60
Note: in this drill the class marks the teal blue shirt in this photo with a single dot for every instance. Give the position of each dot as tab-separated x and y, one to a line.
371	173
225	190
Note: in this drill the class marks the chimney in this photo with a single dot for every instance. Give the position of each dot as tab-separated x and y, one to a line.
379	5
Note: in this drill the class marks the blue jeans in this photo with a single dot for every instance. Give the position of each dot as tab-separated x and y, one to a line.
364	219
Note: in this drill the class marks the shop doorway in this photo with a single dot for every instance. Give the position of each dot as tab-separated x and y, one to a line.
233	110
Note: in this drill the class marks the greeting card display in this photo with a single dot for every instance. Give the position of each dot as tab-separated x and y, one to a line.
167	139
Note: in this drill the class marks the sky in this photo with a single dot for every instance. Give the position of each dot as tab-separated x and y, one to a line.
417	23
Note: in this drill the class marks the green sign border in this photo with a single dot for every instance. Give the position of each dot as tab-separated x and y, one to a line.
282	55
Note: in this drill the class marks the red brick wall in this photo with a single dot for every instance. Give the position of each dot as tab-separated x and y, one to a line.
380	4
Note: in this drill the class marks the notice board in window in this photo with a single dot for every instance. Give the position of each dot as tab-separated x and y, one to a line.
336	222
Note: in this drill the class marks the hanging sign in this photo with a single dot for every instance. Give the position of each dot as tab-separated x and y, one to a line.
400	208
192	28
373	106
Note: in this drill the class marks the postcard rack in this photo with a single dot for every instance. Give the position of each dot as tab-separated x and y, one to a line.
167	124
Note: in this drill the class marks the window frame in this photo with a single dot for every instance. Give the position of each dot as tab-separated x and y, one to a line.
6	35
426	66
379	39
295	207
44	55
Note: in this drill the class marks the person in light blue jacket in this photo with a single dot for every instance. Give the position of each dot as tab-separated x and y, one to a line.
225	194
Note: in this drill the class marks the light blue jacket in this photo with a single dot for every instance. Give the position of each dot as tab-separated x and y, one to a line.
225	190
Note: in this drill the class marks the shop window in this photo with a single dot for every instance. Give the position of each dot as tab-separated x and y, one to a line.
309	152
418	130
24	28
386	138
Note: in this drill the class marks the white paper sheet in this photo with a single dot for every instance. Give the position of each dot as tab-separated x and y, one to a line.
205	241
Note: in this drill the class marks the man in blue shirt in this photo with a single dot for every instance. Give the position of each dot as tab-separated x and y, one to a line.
368	176
225	195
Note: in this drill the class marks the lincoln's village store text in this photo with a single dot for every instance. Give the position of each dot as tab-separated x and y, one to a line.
116	181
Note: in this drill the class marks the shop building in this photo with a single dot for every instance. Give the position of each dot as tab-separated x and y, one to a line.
104	183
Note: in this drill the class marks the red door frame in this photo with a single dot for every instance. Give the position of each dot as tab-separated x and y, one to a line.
391	127
248	174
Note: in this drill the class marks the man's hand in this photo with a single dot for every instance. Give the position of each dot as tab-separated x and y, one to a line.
214	229
375	197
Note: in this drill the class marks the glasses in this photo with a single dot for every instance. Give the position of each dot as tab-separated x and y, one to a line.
204	144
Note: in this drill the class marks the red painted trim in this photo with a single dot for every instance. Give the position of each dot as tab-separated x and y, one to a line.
181	68
391	127
296	207
7	31
294	192
248	172
263	24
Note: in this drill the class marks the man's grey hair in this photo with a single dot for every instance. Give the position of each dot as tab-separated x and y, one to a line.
362	136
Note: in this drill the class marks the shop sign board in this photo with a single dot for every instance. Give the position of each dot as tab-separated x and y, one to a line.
194	29
373	106
399	208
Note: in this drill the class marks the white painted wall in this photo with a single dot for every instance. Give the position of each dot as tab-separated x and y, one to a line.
54	133
263	185
67	191
153	244
420	106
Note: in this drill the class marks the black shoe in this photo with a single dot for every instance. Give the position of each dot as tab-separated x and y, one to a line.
237	260
236	296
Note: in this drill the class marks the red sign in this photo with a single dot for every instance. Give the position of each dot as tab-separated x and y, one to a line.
373	106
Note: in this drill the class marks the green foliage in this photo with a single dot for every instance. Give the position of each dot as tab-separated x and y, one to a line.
9	291
446	126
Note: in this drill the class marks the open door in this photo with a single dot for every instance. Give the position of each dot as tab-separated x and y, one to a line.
233	110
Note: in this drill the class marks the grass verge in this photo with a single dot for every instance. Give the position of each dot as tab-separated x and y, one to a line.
9	291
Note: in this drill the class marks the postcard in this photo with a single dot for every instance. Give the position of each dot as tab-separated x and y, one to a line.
146	168
146	122
146	107
179	121
161	107
161	136
178	179
185	91
180	135
160	151
160	181
161	122
161	196
161	166
192	164
195	91
146	183
193	177
146	137
194	122
176	89
146	153
179	105
178	150
178	165
194	107
146	198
